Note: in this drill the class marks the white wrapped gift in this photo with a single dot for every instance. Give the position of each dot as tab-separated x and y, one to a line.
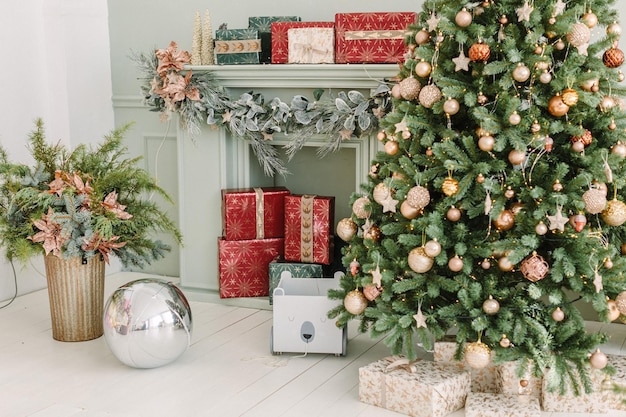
570	402
509	381
312	45
418	389
614	387
487	404
483	380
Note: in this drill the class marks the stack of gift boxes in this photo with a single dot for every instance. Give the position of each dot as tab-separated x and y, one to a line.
351	38
268	230
438	387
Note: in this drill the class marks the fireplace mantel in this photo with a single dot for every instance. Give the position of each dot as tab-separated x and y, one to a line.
214	160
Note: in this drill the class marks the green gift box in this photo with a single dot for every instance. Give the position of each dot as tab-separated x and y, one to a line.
298	270
237	46
264	25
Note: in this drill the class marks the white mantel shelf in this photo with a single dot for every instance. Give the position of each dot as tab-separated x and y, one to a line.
342	76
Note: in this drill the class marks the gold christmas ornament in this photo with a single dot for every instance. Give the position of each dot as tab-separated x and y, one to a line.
422	37
586	138
373	233
455	264
598	359
579	37
491	306
479	52
453	214
429	95
505	264
556	106
614	29
541	228
534	268
620	302
346	229
615	213
619	149
505	342
517	157
613	57
607	103
450	186
509	193
392	147
521	73
395	91
614	312
409	211
557	186
589	84
595	200
355	302
545	77
578	146
381	192
418	197
535	127
423	69
505	220
485	143
359	207
558	314
419	261
451	106
432	248
477	355
463	18
590	19
569	96
515	118
409	88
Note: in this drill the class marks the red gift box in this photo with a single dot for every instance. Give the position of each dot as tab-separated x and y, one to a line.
253	213
244	266
280	38
309	228
371	37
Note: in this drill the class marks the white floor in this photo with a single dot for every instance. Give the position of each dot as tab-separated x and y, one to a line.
227	371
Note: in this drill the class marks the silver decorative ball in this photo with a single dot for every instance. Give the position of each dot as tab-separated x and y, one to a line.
147	323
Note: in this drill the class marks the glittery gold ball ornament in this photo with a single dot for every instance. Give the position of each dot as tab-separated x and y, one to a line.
409	88
455	264
595	200
579	34
450	186
418	197
614	312
355	302
453	214
373	233
558	314
620	301
423	69
598	359
613	58
359	208
505	220
346	229
432	248
381	192
615	213
479	52
429	95
419	261
521	73
408	211
556	106
569	96
534	268
477	355
491	306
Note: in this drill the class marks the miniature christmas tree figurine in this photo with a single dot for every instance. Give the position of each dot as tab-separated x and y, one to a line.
196	41
207	40
498	201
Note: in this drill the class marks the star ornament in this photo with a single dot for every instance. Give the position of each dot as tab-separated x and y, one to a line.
377	277
523	13
461	62
559	7
401	126
432	22
420	320
558	221
389	204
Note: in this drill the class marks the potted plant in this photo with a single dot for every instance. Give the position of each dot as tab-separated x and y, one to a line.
77	208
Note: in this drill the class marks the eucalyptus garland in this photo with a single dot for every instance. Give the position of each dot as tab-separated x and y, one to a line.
169	87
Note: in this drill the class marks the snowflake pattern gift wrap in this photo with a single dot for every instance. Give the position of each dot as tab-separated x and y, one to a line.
244	266
264	25
309	229
483	379
417	389
280	37
253	213
371	37
237	46
311	45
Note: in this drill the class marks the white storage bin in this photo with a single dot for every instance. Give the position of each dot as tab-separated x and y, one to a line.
300	322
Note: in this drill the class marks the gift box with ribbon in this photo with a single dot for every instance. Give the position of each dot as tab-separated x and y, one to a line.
418	389
483	379
237	46
372	37
253	213
264	25
485	404
244	266
280	37
510	382
311	45
309	228
571	402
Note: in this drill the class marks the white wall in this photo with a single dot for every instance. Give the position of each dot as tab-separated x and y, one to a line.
56	66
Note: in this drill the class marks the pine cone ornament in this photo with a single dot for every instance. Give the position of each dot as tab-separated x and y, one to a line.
409	88
429	95
613	58
586	138
479	52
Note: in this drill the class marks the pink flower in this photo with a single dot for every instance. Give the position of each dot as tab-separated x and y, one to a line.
111	204
51	234
102	245
171	59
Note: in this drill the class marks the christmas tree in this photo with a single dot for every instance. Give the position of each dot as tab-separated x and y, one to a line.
498	200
